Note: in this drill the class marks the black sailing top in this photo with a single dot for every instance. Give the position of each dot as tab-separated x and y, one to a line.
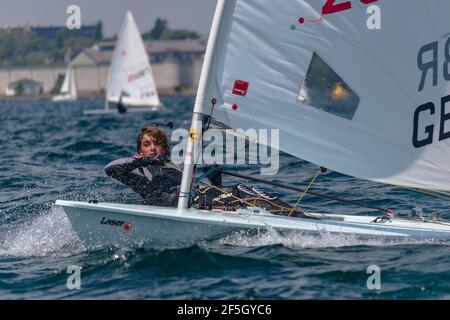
157	183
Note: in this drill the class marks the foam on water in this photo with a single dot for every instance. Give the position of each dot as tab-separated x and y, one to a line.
49	234
323	240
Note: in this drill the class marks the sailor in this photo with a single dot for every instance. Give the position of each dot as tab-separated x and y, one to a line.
149	173
121	108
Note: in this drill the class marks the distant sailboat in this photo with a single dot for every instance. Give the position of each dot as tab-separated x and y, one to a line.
130	85
68	90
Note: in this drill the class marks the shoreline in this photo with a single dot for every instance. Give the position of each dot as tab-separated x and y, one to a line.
97	95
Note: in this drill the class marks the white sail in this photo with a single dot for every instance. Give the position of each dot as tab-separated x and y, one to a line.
371	103
130	75
68	91
65	86
73	85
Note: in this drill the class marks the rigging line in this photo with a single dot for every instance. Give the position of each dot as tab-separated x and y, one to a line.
305	191
214	102
294	188
219	189
440	212
285	186
174	166
437	221
208	118
281	208
239	199
440	193
429	193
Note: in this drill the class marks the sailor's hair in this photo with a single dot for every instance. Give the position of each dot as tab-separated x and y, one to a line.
157	134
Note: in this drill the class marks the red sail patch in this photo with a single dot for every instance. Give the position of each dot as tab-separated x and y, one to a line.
240	88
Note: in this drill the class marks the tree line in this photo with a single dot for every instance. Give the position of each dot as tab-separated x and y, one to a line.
25	47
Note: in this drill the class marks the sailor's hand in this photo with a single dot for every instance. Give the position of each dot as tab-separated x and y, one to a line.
158	159
162	157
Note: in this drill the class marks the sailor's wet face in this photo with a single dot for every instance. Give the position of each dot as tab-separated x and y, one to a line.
149	147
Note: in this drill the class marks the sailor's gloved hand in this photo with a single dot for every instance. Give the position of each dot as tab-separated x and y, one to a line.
158	159
163	158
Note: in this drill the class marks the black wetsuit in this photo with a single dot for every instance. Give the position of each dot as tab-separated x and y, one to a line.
157	183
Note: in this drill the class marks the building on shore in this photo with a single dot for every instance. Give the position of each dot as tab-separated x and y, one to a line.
23	87
176	67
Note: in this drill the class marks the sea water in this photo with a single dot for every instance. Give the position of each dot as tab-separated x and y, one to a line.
51	151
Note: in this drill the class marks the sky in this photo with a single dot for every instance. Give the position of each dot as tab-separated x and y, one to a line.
195	15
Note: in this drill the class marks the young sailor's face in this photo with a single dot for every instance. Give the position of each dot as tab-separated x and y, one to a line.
149	148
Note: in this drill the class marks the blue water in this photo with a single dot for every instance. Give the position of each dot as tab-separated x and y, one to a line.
49	151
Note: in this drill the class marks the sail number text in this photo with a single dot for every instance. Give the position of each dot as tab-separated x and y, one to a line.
424	127
332	7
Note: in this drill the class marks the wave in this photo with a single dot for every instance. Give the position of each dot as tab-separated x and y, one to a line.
49	234
324	239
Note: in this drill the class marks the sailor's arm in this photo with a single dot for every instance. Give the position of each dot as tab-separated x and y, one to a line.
122	169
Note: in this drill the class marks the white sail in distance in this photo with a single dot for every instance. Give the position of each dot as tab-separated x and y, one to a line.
69	85
370	103
68	91
130	74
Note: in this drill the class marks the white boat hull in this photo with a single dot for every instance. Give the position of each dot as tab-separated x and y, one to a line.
112	224
62	98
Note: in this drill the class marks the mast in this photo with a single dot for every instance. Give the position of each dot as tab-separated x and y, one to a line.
195	139
108	80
